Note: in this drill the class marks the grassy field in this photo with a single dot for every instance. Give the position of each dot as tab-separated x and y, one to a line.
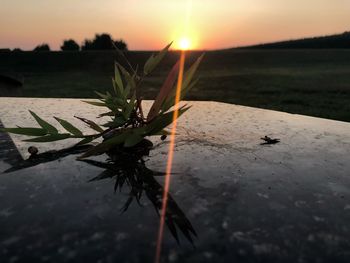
310	82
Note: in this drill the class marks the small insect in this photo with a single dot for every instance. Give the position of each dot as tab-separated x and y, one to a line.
268	140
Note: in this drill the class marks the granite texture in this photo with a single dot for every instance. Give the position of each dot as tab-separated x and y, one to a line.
238	201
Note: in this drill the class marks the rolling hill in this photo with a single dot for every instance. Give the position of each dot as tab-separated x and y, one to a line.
339	41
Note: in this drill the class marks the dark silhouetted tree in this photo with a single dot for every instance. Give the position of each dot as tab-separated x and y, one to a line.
17	50
70	45
120	44
103	42
87	45
42	47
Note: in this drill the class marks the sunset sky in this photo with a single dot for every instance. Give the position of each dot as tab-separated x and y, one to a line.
150	24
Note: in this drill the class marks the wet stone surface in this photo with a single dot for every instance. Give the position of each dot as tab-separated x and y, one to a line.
237	200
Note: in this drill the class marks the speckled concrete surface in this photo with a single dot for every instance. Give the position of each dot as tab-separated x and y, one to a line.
288	202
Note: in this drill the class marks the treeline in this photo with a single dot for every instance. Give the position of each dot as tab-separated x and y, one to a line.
324	42
99	42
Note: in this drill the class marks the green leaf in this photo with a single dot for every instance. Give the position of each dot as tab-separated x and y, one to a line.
95	103
116	123
133	139
50	138
163	120
69	127
103	96
45	125
105	146
154	60
170	101
110	113
118	81
185	87
162	132
91	124
190	72
130	106
25	131
85	140
124	72
164	92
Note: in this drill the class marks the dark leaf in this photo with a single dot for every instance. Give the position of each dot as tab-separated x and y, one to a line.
163	120
69	127
25	131
50	138
95	103
105	146
154	60
164	92
85	141
45	125
133	139
91	124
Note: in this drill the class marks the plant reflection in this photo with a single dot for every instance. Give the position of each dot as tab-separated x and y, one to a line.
134	174
129	171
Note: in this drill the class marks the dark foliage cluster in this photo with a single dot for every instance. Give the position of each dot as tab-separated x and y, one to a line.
70	45
103	42
99	42
42	47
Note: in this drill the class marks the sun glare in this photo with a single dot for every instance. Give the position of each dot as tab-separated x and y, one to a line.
184	43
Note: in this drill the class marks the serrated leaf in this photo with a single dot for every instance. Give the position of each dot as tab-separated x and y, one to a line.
154	60
164	91
50	138
45	125
133	139
95	103
25	131
69	127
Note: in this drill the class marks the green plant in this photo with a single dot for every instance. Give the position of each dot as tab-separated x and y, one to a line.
128	125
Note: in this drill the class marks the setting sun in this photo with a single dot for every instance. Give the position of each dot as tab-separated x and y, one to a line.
184	43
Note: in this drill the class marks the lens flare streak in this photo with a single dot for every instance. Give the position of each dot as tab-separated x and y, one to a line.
170	158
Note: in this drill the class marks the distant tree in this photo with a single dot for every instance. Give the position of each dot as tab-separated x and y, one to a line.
17	50
103	42
120	44
70	45
42	47
87	45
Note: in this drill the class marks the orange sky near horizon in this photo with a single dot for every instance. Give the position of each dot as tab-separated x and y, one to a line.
151	24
